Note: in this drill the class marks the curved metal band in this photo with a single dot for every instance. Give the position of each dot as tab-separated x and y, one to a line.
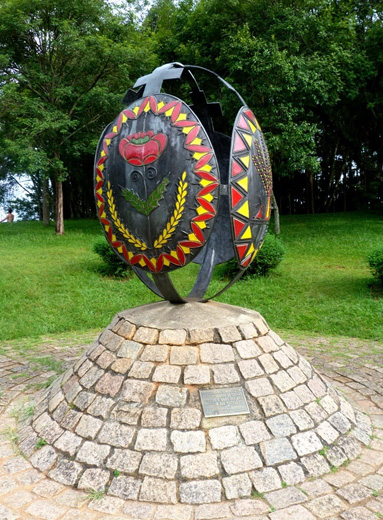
162	284
227	85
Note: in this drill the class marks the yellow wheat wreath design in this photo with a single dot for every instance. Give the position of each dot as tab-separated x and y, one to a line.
170	226
177	213
120	226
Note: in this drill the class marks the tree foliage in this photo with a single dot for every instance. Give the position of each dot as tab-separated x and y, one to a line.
312	70
63	69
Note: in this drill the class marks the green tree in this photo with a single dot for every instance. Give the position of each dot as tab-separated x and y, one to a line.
63	69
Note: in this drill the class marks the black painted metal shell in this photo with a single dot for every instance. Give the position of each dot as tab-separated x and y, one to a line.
157	184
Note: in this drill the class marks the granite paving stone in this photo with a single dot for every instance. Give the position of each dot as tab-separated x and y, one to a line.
358	513
183	356
115	434
285	497
250	368
45	510
172	337
247	349
146	335
88	427
271	405
316	488
154	417
281	425
254	432
266	479
302	419
167	374
282	359
291	473
240	459
197	375
185	418
283	381
224	437
188	442
66	472
327	506
268	363
316	465
354	492
200	491
158	490
68	443
177	512
212	511
171	396
201	465
246	507
155	353
229	334
151	439
276	451
141	369
216	353
137	391
92	453
306	443
94	478
126	461
259	387
292	513
237	486
162	465
225	374
125	487
101	407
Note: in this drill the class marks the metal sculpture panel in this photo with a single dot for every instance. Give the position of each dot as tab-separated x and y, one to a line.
157	184
250	187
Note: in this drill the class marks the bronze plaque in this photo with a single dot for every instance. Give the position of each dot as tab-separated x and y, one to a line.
223	401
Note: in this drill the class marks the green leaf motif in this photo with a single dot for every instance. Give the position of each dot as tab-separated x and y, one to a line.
152	202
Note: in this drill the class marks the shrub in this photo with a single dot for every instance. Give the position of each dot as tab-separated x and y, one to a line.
113	265
375	261
269	257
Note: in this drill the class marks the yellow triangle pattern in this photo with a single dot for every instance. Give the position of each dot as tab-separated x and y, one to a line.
246	160
244	210
248	138
244	183
253	128
247	234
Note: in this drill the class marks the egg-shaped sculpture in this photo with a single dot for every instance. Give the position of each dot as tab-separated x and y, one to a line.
172	188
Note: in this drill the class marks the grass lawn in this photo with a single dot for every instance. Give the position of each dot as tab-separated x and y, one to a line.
49	284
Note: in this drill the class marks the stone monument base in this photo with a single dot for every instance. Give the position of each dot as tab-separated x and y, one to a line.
127	418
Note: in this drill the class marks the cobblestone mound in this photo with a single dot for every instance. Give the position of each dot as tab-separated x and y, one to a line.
127	418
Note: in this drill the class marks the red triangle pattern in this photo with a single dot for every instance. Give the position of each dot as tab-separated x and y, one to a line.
250	115
243	124
246	262
242	250
239	145
237	168
238	226
259	214
235	196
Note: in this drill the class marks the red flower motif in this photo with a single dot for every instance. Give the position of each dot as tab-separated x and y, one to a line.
142	148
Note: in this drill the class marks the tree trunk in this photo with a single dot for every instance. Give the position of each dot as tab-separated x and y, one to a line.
46	216
59	208
277	226
312	201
